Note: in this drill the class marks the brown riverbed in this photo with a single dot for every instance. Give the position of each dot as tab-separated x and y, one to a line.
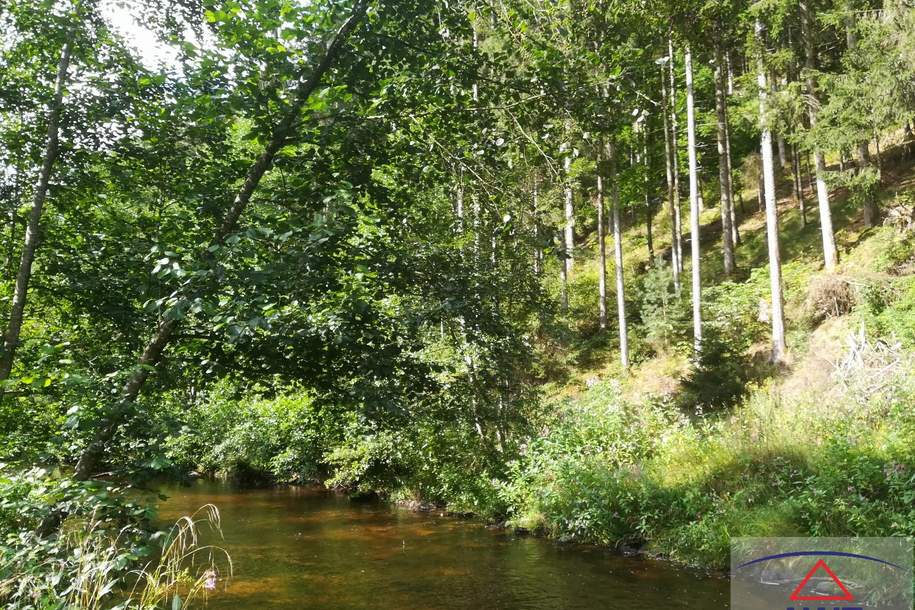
300	548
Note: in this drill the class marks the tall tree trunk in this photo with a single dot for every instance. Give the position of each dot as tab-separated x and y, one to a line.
649	215
727	59
862	154
811	183
673	197
618	254
907	138
459	204
535	203
678	225
877	151
695	263
20	292
569	214
601	246
91	456
782	152
565	266
735	237
700	195
775	266
798	188
477	230
724	178
830	254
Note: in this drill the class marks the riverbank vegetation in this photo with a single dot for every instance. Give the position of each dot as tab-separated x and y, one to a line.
632	274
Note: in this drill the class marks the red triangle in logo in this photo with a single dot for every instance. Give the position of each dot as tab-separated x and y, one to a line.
821	565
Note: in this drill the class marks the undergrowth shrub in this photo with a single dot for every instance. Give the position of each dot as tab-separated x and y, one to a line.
281	438
835	464
665	316
718	377
104	553
888	309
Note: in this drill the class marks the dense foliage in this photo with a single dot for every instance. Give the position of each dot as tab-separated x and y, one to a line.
364	243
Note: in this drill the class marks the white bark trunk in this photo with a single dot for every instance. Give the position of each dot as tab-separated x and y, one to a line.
735	231
569	215
724	178
618	256
830	254
601	248
775	267
535	202
672	198
20	292
693	204
678	225
459	204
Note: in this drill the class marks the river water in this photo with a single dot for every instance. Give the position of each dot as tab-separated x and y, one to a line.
299	548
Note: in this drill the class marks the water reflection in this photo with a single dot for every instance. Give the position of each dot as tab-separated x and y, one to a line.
301	548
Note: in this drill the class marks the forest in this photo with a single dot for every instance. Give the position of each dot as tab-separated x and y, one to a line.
627	273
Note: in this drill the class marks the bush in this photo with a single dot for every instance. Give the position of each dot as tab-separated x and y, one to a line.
281	438
719	375
609	473
104	552
887	309
664	315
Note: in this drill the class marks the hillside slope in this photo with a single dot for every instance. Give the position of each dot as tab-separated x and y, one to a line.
676	457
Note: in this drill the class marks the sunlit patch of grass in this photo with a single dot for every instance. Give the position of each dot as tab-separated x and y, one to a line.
92	573
186	570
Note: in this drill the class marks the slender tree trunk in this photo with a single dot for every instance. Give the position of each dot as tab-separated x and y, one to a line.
20	292
782	153
565	266
775	266
673	198
830	254
618	254
459	204
727	59
735	237
724	178
695	263
760	189
89	460
678	225
907	138
798	188
809	174
862	154
601	246
649	216
569	214
699	182
477	231
493	242
535	202
877	151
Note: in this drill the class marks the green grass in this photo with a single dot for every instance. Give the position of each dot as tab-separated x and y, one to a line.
825	446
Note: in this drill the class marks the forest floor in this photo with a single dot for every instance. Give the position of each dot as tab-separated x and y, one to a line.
677	457
801	248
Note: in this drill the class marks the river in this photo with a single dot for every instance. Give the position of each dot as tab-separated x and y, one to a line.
300	548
